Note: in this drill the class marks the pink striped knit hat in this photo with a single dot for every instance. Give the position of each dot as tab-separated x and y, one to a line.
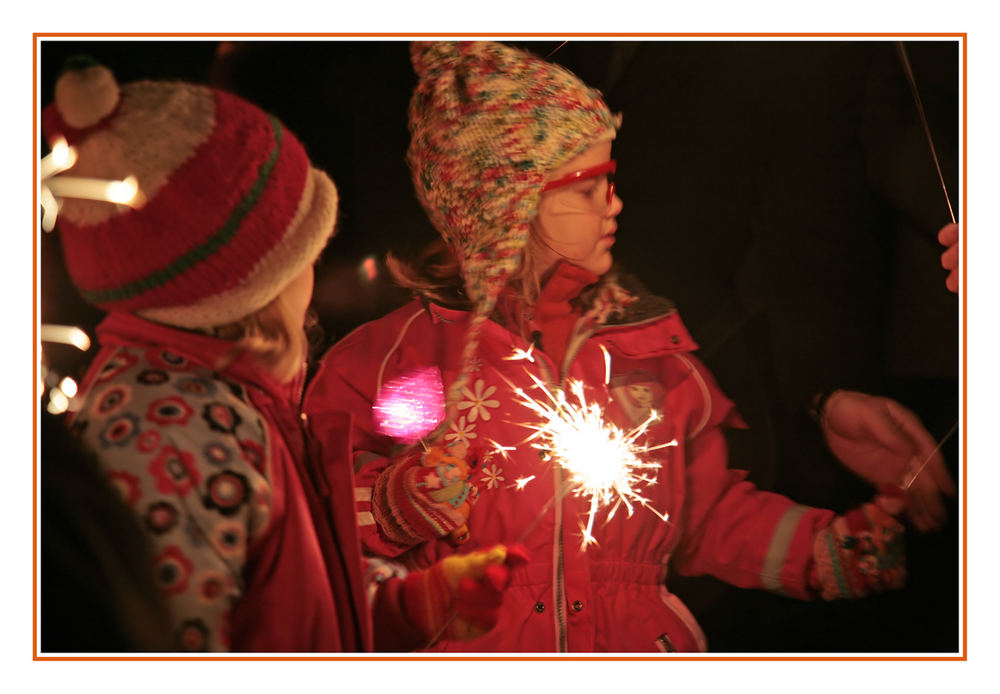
489	123
233	209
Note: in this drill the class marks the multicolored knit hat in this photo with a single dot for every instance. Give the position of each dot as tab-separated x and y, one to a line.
489	123
233	209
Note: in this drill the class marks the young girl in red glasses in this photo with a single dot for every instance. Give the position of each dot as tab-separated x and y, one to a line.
511	159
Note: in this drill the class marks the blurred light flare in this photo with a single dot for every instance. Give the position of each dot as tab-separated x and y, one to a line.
56	187
68	387
58	402
65	334
410	406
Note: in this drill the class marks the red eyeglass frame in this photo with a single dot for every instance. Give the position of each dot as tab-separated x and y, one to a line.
609	166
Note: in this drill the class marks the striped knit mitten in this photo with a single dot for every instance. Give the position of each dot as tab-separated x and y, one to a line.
459	598
861	552
423	496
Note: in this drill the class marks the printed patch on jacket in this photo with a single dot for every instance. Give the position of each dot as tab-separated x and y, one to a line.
638	392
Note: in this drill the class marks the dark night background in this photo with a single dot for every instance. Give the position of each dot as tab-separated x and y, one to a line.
781	193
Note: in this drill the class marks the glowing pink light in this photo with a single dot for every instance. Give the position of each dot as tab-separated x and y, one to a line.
369	269
410	406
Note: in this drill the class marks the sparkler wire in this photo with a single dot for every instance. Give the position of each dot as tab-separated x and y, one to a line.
954	428
904	59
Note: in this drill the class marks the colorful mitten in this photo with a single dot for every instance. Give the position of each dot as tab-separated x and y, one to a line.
861	552
459	597
423	496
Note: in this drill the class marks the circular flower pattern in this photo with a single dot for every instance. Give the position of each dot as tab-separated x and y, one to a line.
237	390
172	570
171	410
217	453
153	377
148	441
253	453
226	492
478	401
175	471
111	400
165	359
192	636
161	517
193	385
127	485
119	430
119	361
212	586
229	538
221	417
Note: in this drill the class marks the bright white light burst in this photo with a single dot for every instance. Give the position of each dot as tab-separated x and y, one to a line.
604	463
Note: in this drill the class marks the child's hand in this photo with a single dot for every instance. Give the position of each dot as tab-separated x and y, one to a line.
459	598
425	495
862	552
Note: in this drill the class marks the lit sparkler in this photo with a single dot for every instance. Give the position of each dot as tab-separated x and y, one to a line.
605	463
55	186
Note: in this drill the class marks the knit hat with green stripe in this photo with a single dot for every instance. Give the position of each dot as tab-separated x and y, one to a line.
489	123
232	212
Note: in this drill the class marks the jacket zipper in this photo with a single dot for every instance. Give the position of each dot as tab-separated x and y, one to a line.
558	568
576	341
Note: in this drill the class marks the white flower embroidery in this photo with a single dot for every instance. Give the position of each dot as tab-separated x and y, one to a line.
461	431
492	476
477	403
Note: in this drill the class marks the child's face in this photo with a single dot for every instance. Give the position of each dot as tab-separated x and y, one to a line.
576	223
642	395
299	293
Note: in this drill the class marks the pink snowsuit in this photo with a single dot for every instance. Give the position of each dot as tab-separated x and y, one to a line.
611	595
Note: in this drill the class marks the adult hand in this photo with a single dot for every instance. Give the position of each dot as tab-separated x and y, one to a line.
948	236
884	443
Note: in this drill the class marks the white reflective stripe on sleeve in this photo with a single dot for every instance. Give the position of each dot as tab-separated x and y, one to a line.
362	493
366	518
781	540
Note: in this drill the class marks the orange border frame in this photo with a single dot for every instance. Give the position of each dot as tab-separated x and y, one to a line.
431	657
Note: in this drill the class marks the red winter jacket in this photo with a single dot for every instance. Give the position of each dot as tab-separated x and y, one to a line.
254	540
609	596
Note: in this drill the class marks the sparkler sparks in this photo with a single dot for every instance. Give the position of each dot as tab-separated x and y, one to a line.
605	463
521	482
520	354
55	186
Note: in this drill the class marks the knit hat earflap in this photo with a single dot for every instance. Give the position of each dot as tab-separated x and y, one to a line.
489	123
233	210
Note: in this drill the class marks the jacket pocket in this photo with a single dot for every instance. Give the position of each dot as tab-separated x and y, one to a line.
692	640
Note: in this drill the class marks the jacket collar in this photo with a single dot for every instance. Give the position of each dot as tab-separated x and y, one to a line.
649	325
126	329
